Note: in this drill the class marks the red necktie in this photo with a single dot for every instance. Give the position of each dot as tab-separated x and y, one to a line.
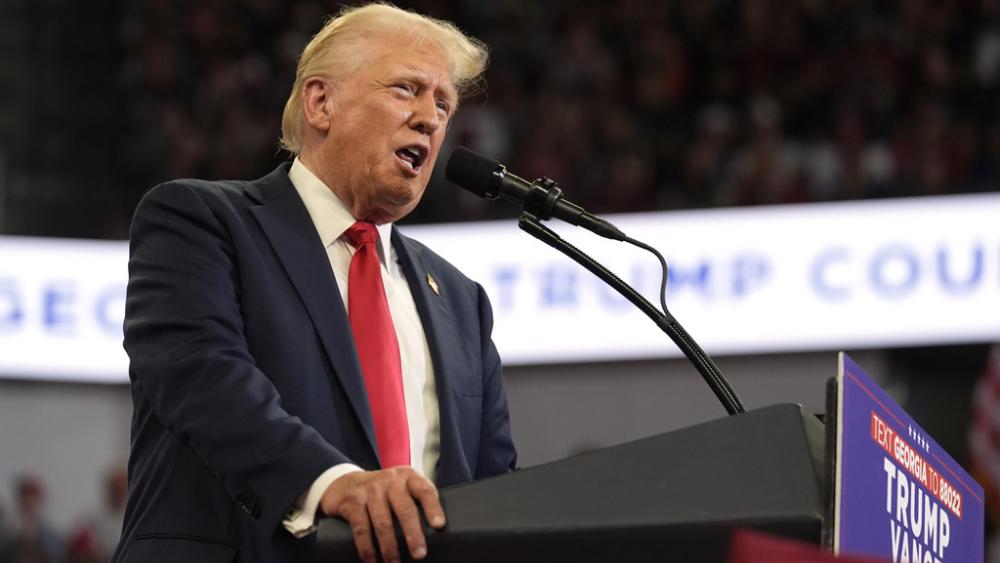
378	349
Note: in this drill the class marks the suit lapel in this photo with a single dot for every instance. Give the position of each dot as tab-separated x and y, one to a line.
290	230
439	327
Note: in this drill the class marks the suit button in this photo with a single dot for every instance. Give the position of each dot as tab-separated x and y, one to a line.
249	503
244	501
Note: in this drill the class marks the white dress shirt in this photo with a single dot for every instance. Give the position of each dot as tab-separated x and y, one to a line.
332	219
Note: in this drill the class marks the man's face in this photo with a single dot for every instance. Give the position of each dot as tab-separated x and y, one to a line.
387	122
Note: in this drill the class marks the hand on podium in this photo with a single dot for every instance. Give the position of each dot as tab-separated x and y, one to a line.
370	499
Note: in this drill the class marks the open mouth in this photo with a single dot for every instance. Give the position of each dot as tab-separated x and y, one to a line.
413	155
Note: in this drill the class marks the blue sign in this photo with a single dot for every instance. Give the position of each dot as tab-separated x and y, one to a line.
898	495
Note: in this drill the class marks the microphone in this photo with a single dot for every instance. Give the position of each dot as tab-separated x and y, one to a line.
542	198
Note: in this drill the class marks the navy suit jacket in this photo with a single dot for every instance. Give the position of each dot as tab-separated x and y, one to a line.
245	379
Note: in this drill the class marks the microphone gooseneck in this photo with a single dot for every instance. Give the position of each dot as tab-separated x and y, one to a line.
542	199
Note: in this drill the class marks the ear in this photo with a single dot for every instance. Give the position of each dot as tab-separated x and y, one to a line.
317	102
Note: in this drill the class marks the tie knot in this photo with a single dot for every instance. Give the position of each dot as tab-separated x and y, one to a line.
361	233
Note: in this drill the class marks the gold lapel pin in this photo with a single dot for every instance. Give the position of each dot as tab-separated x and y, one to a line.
434	285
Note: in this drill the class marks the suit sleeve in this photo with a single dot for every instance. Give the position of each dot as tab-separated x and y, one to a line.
190	359
496	447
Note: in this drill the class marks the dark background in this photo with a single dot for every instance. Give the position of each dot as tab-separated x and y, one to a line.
632	105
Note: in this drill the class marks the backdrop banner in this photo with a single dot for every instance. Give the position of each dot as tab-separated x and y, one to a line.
749	280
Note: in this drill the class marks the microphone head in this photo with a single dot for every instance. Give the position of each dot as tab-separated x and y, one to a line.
472	171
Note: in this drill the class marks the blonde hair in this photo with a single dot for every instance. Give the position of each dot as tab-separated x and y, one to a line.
335	52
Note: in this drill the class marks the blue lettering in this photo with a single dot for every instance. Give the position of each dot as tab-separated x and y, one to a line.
748	273
559	286
882	280
11	308
818	274
615	300
56	299
970	282
697	277
107	311
505	279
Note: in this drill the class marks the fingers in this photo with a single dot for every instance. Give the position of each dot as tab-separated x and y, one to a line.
401	495
381	518
425	491
361	529
368	500
409	519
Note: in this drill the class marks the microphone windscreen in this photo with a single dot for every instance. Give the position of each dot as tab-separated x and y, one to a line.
471	170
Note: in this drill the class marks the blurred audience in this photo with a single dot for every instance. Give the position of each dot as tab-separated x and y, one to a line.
33	540
6	534
94	541
632	105
984	445
30	538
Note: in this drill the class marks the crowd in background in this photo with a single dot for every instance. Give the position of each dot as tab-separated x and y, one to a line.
27	535
631	105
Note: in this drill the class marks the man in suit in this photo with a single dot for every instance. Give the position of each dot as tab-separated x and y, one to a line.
293	355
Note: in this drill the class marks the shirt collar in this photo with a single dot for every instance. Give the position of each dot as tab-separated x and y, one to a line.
328	213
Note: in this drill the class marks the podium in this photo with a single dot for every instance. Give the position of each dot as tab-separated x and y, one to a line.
671	497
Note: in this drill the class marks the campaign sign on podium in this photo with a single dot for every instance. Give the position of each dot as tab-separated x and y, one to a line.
897	494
